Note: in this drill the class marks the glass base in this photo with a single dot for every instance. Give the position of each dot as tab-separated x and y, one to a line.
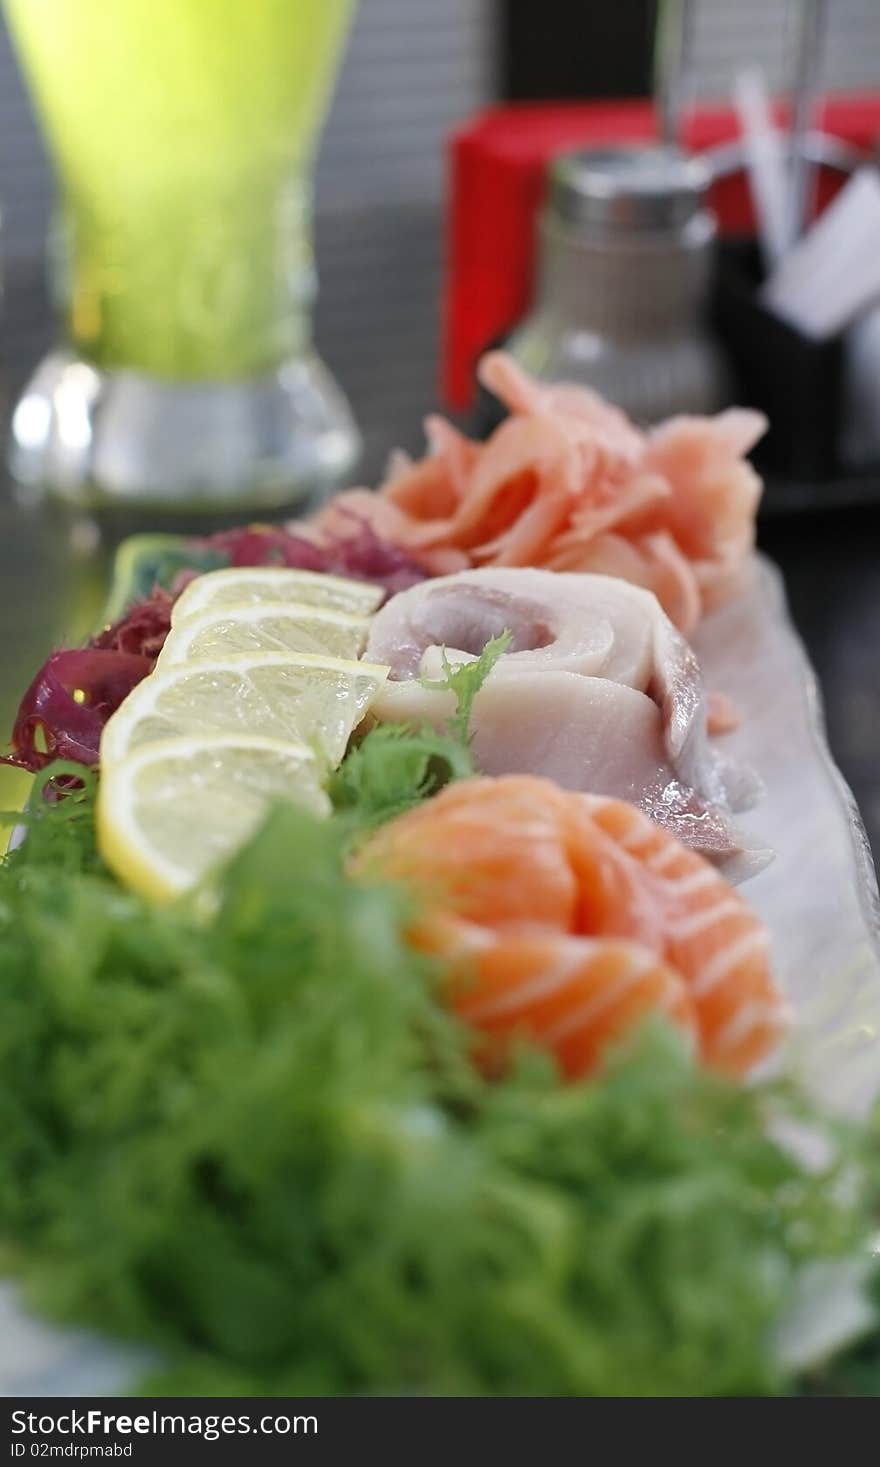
123	439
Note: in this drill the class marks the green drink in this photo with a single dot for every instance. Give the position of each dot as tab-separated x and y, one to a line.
182	133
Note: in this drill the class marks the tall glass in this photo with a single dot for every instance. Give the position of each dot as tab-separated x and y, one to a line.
182	133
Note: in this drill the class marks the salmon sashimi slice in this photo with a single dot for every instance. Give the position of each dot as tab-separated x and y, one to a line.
566	918
573	996
597	691
567	482
711	936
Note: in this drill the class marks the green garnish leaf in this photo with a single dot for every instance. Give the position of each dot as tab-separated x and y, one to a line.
466	680
58	822
396	766
256	1141
393	768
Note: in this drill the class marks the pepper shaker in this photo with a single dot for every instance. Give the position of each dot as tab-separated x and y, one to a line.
625	259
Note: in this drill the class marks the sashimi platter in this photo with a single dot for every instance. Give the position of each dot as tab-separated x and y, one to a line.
439	955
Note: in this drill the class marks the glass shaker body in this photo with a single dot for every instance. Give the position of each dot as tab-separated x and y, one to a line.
620	305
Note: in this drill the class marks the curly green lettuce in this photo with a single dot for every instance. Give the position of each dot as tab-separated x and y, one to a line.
255	1142
396	766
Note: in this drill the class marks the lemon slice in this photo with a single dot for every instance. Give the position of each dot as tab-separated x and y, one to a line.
271	626
220	589
298	698
170	812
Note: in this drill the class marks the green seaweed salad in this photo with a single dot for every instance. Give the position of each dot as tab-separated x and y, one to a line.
248	1136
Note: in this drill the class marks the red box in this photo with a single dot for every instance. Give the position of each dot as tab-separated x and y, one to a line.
497	165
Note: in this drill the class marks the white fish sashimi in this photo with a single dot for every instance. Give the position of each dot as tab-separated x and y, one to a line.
550	723
676	684
593	625
598	691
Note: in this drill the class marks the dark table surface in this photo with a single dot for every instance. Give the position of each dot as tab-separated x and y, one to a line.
831	563
383	345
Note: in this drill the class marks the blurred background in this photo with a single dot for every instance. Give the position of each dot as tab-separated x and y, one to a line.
415	73
412	72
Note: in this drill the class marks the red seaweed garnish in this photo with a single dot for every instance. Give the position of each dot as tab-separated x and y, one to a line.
259	545
64	710
143	628
361	554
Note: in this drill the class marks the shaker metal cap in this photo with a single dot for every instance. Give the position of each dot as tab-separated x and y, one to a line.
648	187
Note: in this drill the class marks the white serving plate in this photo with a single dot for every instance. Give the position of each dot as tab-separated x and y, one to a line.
818	897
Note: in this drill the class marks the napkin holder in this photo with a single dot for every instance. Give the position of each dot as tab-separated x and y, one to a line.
793	378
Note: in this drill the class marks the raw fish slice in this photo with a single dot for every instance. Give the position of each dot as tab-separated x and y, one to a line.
593	625
584	733
574	996
677	686
566	918
475	870
711	936
598	691
566	482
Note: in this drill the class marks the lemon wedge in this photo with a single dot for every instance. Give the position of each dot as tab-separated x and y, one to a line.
220	589
271	626
170	812
253	699
296	698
